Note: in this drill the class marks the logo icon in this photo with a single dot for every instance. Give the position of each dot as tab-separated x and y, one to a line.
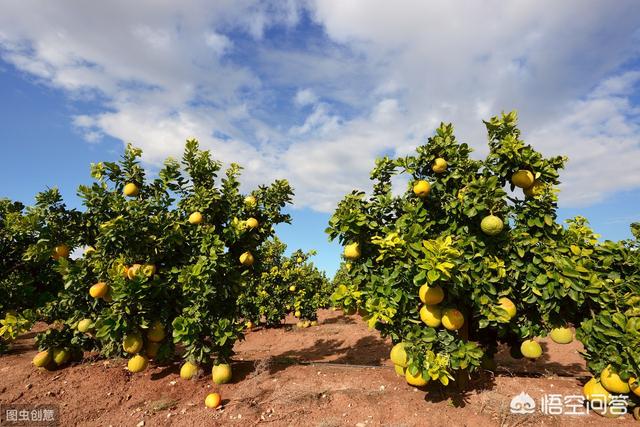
522	404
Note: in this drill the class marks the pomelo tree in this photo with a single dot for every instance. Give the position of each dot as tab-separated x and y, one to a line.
166	261
286	284
32	240
611	336
468	256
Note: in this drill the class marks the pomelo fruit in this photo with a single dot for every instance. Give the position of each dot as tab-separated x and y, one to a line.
508	305
416	381
212	401
531	349
84	325
421	188
352	251
431	315
612	382
149	270
61	356
188	370
491	225
522	178
561	335
195	218
131	190
398	355
594	390
252	223
156	332
439	165
99	290
60	251
221	373
452	319
535	190
250	202
137	363
133	271
431	295
42	359
246	259
132	343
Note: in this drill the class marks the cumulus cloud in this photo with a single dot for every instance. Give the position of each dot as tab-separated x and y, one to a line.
315	91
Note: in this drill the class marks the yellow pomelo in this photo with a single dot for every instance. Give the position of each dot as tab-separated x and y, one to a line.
137	363
398	355
421	188
612	382
212	401
61	251
352	251
535	190
195	218
84	325
250	201
221	374
431	295
523	178
491	225
561	335
452	319
292	288
42	359
431	315
508	305
593	390
188	370
132	343
297	313
416	381
439	165
61	356
131	190
133	271
156	332
149	270
246	259
252	223
99	290
531	349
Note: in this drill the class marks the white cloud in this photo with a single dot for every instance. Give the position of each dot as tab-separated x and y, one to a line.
219	43
371	79
305	97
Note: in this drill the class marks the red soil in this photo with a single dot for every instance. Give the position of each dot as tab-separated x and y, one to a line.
334	374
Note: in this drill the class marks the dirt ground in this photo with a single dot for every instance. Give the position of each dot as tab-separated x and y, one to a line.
333	374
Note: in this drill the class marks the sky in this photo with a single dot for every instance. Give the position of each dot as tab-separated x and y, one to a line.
314	91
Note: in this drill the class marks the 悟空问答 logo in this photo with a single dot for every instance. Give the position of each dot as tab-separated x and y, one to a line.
522	404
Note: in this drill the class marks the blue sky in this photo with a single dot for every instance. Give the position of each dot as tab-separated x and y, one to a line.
315	91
